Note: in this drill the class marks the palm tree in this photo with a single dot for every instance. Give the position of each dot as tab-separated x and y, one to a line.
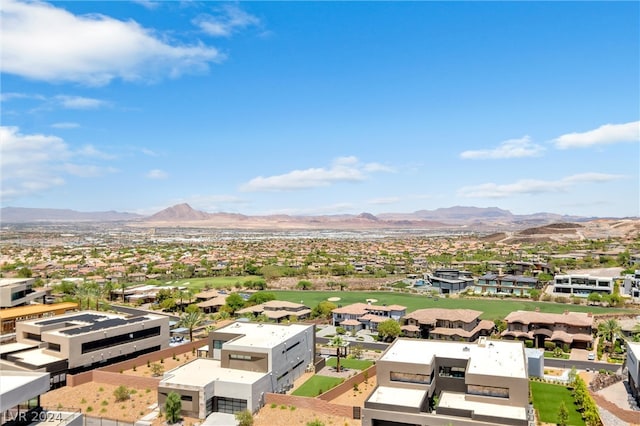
608	330
191	320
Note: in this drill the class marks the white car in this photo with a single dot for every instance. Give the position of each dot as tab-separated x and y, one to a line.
591	356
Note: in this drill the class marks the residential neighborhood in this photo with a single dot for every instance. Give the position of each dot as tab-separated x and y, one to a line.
248	339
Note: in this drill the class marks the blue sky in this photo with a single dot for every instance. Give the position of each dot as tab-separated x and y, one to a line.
321	107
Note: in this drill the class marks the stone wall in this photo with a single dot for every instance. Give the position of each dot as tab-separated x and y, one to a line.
347	385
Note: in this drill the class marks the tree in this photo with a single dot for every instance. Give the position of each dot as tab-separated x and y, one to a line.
191	320
304	285
563	415
24	272
234	302
173	406
261	297
573	373
594	298
608	330
534	294
389	329
244	418
323	310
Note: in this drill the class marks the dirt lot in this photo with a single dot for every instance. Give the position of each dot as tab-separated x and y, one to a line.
97	399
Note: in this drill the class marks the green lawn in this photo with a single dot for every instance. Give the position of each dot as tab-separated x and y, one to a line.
354	364
550	354
317	385
546	400
197	284
492	308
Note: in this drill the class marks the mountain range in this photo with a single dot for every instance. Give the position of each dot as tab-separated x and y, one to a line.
458	217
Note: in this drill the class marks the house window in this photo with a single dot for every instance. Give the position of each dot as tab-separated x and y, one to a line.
488	391
240	357
424	379
454	372
229	405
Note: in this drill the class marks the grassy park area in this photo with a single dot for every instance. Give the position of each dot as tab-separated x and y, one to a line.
492	309
354	364
317	385
546	400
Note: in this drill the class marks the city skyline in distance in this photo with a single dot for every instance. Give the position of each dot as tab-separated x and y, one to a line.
317	108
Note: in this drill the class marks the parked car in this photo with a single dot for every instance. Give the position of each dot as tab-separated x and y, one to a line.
591	356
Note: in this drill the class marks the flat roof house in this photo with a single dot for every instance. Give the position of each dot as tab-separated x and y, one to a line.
447	324
429	383
571	328
9	316
582	285
18	291
20	401
246	361
449	281
84	340
516	285
633	368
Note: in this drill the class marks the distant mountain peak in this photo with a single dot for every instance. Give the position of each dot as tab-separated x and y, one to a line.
367	216
179	212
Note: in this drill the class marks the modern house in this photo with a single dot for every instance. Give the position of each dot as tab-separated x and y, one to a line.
633	368
446	324
631	285
18	292
571	328
9	316
358	316
80	341
496	284
246	361
449	281
20	401
582	285
429	382
278	310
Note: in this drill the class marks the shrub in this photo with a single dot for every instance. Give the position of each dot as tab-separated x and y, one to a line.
274	405
341	330
89	409
173	406
244	418
528	343
83	401
549	346
121	393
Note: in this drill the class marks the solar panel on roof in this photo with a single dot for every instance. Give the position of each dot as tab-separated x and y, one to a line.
100	325
80	317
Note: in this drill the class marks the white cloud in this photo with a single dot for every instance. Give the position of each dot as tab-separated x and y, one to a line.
230	19
604	135
148	4
4	97
157	174
79	102
65	125
92	151
35	163
512	148
533	186
47	43
343	169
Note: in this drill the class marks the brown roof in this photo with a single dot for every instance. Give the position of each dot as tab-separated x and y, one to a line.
364	308
579	319
412	328
350	322
431	315
216	301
